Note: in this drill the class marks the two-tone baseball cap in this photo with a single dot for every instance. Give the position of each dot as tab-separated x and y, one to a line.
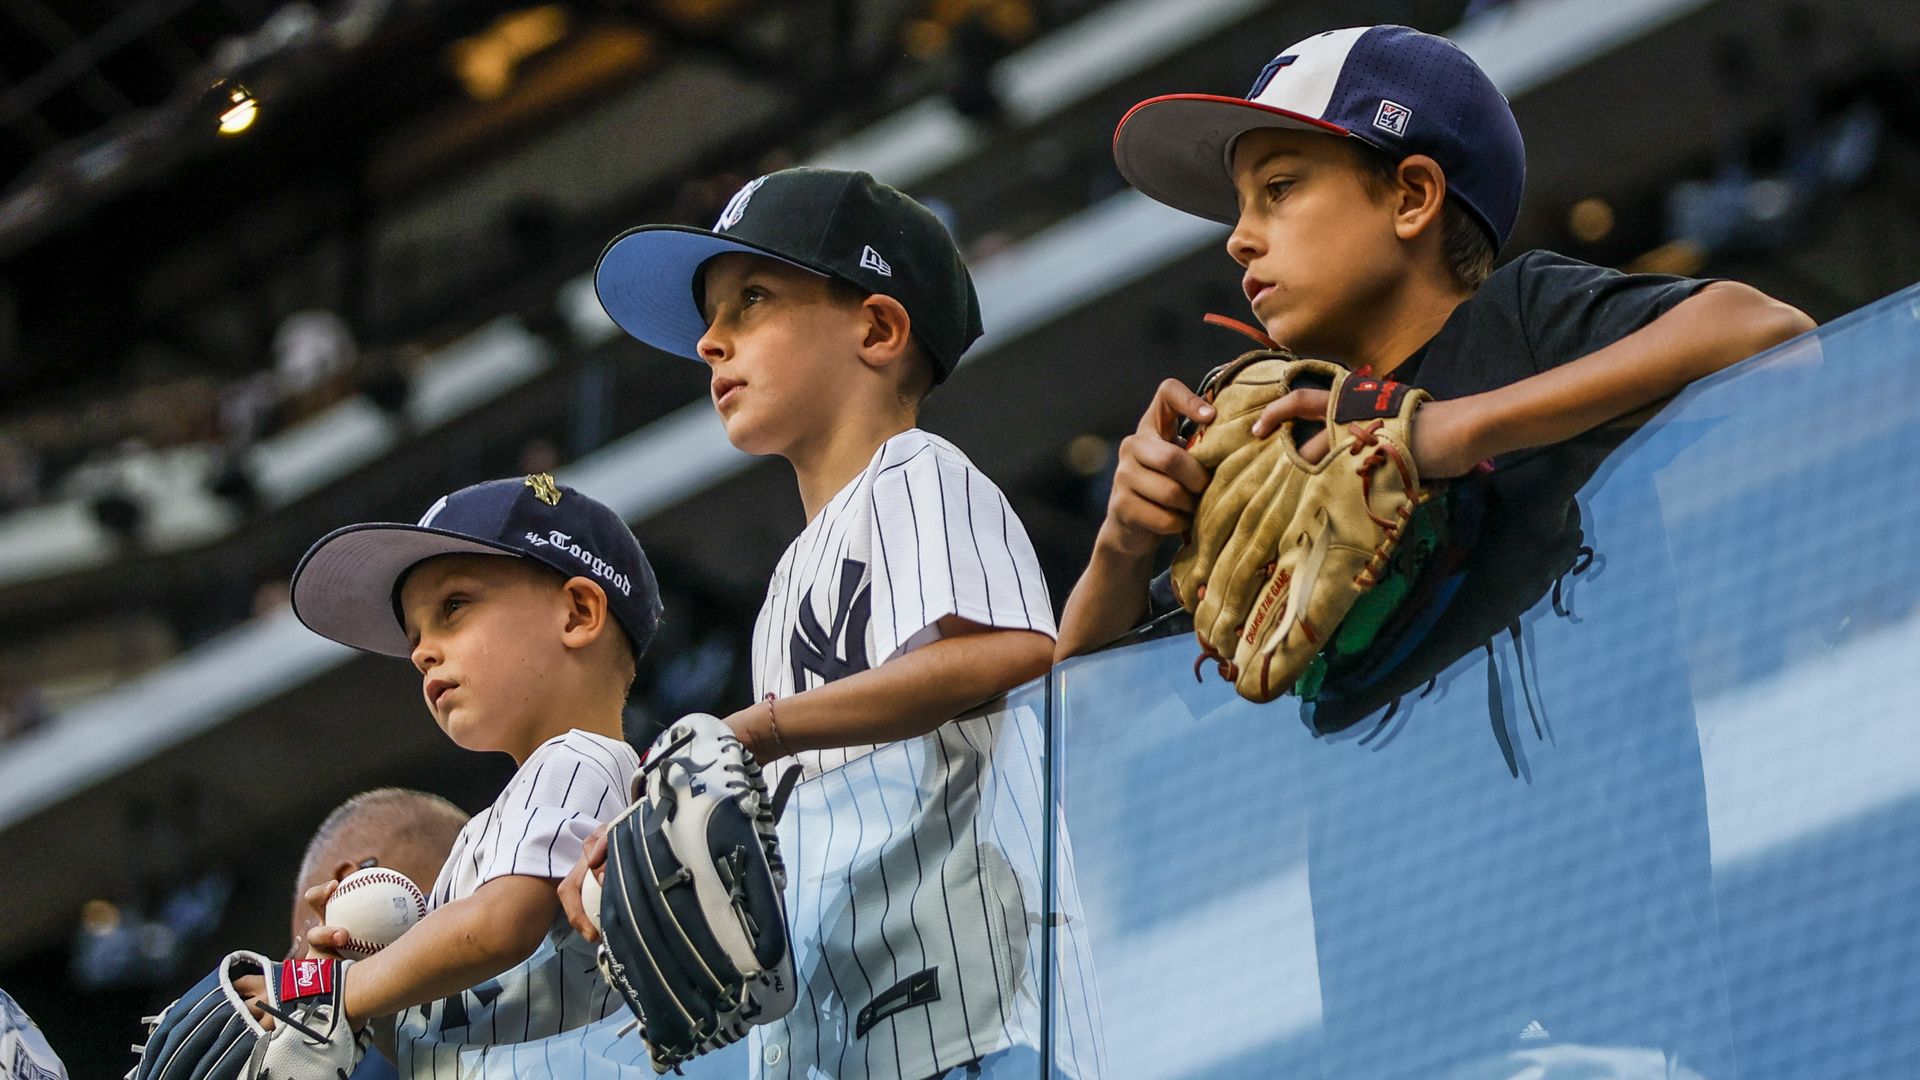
347	586
1392	87
838	224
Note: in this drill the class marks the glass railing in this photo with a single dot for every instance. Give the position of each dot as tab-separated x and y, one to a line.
1659	820
1642	801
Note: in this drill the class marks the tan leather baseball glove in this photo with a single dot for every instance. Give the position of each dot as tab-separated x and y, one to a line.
1281	547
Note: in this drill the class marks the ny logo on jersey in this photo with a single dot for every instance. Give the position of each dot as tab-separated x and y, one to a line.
454	1011
842	651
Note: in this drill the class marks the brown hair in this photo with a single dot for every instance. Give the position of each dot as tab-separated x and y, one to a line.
1464	241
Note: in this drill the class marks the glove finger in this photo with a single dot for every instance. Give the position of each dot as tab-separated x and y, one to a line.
1219	515
199	1036
659	984
1241	574
1274	651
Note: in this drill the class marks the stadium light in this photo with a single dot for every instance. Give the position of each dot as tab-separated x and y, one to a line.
241	111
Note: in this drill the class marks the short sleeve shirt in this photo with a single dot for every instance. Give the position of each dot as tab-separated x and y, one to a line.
537	828
1537	312
919	535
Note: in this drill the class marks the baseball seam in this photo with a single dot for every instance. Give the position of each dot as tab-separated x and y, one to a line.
389	877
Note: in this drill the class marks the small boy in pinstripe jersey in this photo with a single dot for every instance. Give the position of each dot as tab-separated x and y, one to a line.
826	306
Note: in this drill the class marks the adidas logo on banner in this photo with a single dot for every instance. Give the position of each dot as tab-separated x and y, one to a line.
1534	1030
871	260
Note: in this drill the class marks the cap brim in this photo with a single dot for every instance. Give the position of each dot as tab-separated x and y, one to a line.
1173	149
645	282
343	587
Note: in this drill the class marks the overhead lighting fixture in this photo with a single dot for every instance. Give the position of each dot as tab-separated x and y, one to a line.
240	112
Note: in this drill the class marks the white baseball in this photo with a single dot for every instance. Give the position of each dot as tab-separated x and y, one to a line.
375	906
590	897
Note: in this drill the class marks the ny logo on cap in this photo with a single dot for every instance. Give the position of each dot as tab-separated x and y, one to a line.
1392	117
544	488
737	206
871	260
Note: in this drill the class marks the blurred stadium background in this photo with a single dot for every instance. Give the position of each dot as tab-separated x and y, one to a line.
269	267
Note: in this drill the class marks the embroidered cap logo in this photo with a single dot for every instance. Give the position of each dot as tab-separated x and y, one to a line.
544	488
737	206
1393	117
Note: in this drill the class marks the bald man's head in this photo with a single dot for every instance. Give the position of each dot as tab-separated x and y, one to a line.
407	831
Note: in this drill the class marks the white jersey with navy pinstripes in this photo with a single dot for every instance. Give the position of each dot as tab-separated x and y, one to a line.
914	867
536	828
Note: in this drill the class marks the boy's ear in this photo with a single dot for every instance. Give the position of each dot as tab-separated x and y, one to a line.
888	330
586	614
1419	191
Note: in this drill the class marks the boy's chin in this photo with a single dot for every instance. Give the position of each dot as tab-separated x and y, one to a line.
469	732
747	437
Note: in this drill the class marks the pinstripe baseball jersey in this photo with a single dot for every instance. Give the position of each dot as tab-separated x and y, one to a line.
914	868
536	828
24	1053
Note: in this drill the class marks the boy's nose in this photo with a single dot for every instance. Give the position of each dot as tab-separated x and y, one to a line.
712	346
1243	243
425	656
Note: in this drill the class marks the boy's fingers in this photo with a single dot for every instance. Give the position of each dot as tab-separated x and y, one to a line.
1159	456
1157	488
1172	401
569	890
1294	405
596	850
326	941
318	896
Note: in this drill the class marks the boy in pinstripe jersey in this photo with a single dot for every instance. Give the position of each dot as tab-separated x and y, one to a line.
826	306
524	605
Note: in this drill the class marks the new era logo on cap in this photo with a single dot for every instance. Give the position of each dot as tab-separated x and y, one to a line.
871	260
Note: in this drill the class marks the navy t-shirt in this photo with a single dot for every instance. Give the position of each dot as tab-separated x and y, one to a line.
1479	916
1475	916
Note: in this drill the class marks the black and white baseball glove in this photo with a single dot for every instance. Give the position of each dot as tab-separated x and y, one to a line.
692	917
210	1034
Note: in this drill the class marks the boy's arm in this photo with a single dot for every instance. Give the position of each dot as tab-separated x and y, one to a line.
1722	324
1156	485
457	946
907	696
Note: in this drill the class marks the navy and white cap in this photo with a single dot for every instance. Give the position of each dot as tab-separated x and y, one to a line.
1392	87
347	586
837	224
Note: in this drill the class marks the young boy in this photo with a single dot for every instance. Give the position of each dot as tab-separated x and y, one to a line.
826	307
525	606
1370	177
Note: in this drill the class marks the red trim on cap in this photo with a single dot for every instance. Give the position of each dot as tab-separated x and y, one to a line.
1222	99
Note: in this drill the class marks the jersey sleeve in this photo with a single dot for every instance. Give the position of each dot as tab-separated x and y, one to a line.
542	820
1570	308
946	542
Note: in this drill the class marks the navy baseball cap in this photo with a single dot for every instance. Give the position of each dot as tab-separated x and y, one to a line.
347	586
837	224
1392	87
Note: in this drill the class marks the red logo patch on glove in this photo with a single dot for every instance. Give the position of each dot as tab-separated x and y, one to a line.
310	977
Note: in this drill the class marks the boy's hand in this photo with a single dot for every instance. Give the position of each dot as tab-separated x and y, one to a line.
327	941
1156	483
1443	439
594	854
